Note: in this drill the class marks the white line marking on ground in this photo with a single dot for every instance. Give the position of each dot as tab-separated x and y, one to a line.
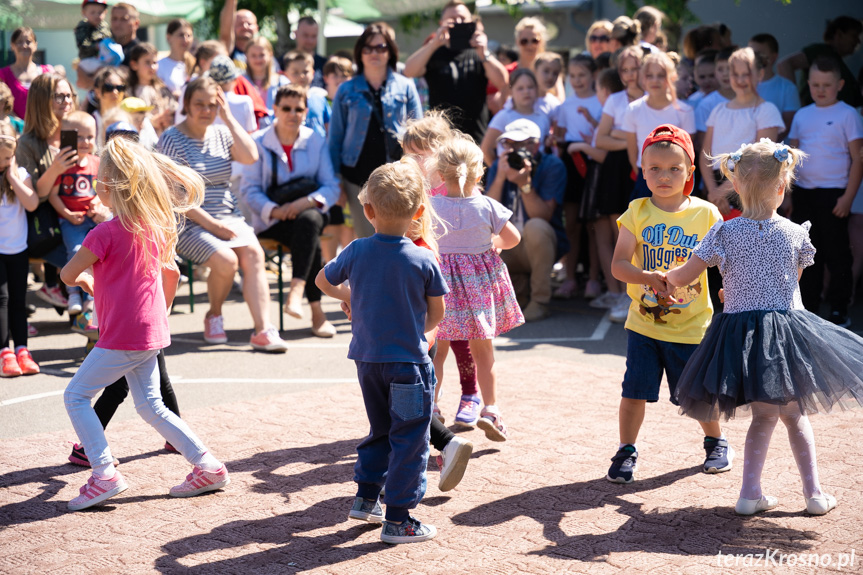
24	398
291	344
598	335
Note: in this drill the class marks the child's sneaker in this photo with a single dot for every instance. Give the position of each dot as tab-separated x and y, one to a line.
83	324
52	295
96	491
214	329
623	465
9	364
455	455
25	362
368	510
200	481
753	506
31	330
268	340
75	304
408	531
468	411
436	413
719	455
620	310
78	457
605	301
491	422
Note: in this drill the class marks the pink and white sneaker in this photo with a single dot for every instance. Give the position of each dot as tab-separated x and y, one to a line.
52	295
491	422
200	481
268	340
96	491
214	329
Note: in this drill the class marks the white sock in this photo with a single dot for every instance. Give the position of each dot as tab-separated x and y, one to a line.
104	471
209	463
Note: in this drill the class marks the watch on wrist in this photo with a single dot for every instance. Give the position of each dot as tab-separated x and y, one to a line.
486	55
525	189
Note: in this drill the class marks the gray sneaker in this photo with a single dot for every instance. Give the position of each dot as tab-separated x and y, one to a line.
368	510
408	531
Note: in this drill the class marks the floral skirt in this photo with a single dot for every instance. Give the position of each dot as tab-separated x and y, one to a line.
481	303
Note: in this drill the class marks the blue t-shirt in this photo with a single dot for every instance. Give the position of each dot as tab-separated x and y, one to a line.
318	115
390	280
549	181
780	92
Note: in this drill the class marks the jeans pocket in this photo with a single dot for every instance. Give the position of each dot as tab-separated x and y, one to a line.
407	400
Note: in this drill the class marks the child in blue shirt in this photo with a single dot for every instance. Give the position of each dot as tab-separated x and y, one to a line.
394	298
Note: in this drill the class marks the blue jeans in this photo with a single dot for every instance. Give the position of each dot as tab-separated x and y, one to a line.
646	359
73	237
398	400
101	368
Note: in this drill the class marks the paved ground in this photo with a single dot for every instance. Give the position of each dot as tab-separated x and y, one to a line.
287	426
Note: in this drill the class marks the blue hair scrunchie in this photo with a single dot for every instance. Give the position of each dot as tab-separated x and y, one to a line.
781	153
732	160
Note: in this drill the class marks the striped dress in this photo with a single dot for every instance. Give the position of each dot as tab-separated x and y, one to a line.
210	157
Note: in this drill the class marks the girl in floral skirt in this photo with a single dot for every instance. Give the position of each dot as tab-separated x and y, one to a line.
481	304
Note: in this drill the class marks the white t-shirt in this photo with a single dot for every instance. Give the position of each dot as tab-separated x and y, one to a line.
824	134
505	117
615	106
547	105
576	124
13	222
172	73
781	93
705	106
731	127
640	119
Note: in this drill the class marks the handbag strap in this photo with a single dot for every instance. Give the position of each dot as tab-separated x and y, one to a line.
273	178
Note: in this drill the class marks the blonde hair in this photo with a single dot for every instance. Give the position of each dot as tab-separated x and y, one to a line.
428	133
629	52
395	190
757	170
460	160
662	60
6	99
264	44
753	62
9	141
78	118
603	25
549	58
535	24
207	50
147	191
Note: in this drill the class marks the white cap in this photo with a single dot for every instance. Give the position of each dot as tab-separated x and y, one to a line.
521	130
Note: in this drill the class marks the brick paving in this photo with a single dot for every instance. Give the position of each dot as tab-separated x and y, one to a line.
536	504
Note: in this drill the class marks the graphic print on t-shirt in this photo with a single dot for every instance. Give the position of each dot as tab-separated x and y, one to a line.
76	186
664	249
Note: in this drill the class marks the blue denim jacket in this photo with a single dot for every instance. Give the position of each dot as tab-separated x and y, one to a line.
310	160
352	112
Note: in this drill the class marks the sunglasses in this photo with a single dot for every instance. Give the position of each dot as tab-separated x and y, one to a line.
526	41
377	49
112	87
288	109
599	38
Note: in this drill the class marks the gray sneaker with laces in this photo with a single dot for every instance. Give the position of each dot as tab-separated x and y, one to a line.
368	510
408	531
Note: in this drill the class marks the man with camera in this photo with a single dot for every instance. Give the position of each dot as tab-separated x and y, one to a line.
457	65
531	184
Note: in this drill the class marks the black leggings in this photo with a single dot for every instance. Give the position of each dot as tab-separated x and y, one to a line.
13	296
303	236
440	434
113	395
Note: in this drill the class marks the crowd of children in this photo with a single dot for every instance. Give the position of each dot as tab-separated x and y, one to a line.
677	185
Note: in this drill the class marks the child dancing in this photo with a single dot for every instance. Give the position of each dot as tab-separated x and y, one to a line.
394	298
766	352
144	191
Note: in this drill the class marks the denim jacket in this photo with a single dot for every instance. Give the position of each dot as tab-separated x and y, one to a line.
352	112
309	159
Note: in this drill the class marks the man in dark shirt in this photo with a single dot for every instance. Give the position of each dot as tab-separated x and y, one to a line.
457	80
306	36
124	27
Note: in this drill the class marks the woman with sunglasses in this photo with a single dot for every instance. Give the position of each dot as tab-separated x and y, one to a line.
368	118
291	150
109	87
598	38
21	73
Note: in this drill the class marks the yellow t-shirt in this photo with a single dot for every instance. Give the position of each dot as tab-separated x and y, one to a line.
665	240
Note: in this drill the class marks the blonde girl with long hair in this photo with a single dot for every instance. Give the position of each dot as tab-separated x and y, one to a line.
128	265
765	352
481	304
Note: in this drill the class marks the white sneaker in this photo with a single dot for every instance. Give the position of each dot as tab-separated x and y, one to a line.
455	457
605	301
75	305
620	310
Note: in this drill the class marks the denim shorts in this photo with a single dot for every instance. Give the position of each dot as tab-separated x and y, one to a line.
646	359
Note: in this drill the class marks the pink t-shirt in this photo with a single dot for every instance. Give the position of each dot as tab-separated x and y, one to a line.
130	302
19	90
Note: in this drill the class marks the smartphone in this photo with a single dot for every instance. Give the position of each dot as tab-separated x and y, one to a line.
460	35
69	139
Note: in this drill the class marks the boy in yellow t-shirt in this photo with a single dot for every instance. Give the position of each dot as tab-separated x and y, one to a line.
658	234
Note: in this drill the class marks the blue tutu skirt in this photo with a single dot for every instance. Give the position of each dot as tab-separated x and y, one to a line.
774	357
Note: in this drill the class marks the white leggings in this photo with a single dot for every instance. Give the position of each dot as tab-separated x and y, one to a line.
764	418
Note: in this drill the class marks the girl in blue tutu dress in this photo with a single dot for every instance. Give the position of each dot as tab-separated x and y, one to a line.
765	352
481	304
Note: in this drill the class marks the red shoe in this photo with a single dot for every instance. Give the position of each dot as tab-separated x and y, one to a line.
9	364
25	362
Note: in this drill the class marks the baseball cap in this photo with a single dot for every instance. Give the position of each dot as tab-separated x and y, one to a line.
675	135
102	3
133	105
222	70
521	130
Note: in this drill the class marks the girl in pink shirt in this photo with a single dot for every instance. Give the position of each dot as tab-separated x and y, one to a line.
134	279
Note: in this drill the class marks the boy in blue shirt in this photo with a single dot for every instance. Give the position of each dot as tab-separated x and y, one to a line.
394	298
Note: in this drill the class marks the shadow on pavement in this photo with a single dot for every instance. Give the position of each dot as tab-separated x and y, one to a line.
676	531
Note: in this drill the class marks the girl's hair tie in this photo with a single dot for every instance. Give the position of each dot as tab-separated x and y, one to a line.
781	153
733	158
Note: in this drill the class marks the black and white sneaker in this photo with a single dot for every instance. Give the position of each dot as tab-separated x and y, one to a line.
623	465
719	455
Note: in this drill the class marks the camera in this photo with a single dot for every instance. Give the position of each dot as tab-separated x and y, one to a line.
516	158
